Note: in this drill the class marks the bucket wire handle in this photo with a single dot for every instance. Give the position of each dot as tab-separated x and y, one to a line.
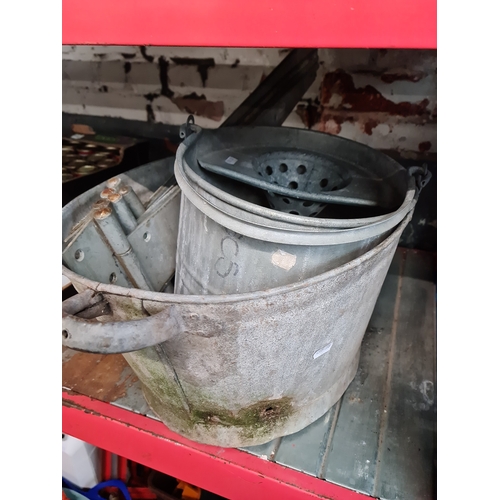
188	128
84	334
422	177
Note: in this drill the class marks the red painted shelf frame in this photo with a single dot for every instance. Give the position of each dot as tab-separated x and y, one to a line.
227	23
257	23
228	472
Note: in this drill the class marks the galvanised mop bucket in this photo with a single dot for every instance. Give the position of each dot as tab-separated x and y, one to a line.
235	369
229	243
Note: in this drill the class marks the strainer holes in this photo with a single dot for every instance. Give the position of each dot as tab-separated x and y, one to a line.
293	185
146	236
323	182
293	212
301	169
112	278
307	203
286	200
65	334
269	170
283	167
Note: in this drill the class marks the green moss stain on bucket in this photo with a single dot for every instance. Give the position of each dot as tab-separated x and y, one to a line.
258	419
166	398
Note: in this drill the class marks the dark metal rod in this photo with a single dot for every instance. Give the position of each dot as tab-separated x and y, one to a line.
274	99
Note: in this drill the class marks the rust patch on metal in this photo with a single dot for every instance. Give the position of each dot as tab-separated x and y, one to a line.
369	126
82	129
309	113
103	377
100	204
197	105
331	127
330	120
102	213
313	114
106	192
424	146
114	182
340	101
366	98
114	197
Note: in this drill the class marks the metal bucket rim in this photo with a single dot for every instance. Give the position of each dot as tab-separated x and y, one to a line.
260	219
242	297
275	215
298	237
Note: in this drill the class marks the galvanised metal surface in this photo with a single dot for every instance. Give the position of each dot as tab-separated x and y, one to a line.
132	200
124	213
388	180
379	439
152	238
235	369
256	214
242	255
106	248
90	256
298	176
235	263
109	225
240	369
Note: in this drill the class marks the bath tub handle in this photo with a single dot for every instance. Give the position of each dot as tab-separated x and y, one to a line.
90	335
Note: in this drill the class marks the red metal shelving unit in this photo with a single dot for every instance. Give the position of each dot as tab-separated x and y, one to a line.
228	472
258	23
90	414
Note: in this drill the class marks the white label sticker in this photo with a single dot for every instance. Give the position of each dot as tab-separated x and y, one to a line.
283	259
231	160
77	136
323	350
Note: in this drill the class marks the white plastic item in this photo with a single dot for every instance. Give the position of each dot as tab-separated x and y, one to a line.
80	462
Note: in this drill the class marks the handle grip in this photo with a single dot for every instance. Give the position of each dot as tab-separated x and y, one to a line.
117	336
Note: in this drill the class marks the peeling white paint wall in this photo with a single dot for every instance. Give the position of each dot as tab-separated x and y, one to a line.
126	82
